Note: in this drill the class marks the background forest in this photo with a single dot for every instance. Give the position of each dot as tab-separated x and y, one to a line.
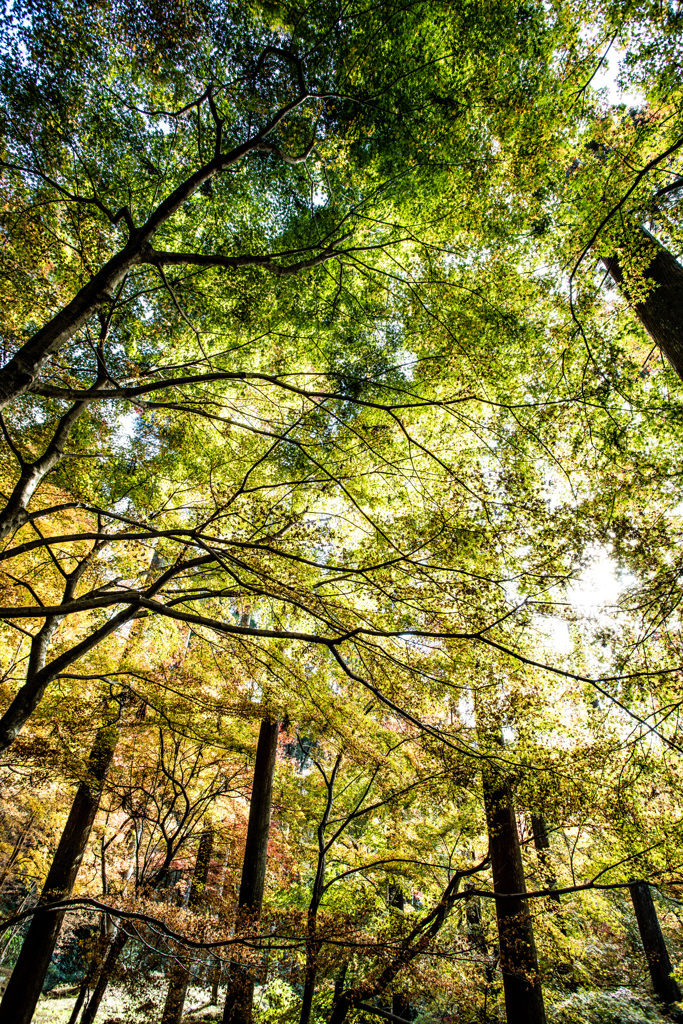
342	511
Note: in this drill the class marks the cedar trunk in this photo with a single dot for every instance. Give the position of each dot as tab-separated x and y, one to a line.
666	988
521	981
26	983
240	991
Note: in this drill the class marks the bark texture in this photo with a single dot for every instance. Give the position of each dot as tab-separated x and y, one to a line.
661	312
665	987
26	983
240	991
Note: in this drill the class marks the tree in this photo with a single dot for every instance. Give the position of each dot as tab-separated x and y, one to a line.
26	983
180	973
240	993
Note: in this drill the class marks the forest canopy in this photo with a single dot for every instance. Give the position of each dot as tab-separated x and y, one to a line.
341	511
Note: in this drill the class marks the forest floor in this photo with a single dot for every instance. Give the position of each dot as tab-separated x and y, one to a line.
123	1006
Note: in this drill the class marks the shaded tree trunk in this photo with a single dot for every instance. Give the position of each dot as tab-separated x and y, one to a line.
339	982
113	953
661	312
240	992
217	972
180	974
313	944
665	987
88	979
518	961
26	983
215	984
115	948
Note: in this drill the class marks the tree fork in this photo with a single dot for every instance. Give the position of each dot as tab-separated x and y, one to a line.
26	983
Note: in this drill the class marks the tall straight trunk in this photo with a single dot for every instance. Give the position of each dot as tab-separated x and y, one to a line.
665	987
661	312
26	983
523	995
218	969
116	946
339	982
88	979
180	974
240	992
313	945
518	960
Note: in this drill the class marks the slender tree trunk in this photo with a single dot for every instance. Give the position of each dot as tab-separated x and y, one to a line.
117	945
80	998
661	312
313	945
113	953
26	983
215	984
180	974
666	988
240	992
88	979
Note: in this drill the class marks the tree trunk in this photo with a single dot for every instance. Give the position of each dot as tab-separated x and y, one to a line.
215	984
661	313
240	992
521	982
313	945
110	961
665	987
115	948
180	974
26	983
339	982
88	978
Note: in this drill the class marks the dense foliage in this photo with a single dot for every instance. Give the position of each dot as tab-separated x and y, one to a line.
342	509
